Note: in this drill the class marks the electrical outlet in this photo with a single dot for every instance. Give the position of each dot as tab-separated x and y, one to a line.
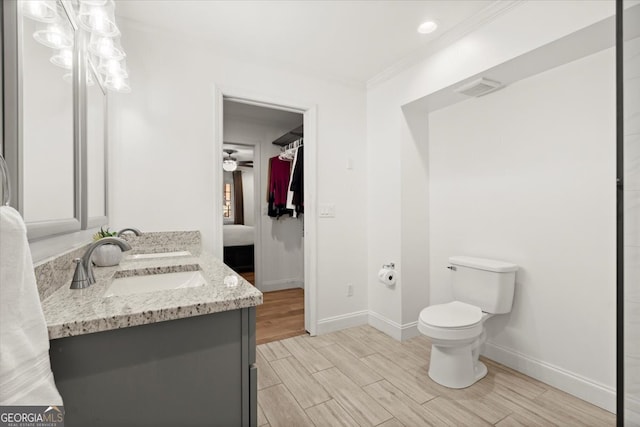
349	289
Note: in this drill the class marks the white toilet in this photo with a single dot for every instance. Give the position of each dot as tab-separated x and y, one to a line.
481	288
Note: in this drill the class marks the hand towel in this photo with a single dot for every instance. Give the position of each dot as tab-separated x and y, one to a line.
25	369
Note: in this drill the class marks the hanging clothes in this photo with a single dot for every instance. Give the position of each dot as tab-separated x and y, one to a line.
297	181
279	174
290	204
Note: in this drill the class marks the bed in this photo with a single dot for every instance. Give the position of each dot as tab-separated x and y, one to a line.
238	247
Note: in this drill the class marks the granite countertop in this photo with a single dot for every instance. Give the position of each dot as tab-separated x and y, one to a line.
70	312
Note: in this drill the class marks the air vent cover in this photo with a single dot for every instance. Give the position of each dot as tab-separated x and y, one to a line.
479	87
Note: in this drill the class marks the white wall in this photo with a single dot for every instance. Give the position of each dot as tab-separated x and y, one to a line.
280	244
527	175
161	174
393	171
632	228
389	135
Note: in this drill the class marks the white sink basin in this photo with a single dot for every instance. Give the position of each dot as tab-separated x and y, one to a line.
154	282
159	255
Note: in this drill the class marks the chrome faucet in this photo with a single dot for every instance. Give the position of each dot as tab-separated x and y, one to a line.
131	229
83	276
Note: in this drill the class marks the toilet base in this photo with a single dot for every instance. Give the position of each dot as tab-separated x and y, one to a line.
481	370
456	366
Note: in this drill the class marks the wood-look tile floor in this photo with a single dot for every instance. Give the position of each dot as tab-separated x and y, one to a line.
280	316
362	377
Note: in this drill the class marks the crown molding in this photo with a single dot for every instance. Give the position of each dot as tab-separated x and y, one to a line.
467	26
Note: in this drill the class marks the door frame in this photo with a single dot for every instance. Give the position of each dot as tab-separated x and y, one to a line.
310	114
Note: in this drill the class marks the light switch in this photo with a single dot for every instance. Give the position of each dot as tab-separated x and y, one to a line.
349	163
327	210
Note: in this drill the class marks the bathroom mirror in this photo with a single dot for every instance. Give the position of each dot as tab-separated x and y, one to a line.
47	138
96	137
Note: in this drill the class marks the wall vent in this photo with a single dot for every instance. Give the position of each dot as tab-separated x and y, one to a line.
479	87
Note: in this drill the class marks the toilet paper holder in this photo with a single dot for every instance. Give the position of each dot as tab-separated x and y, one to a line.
390	266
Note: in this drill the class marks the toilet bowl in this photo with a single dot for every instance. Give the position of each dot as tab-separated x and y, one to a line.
456	331
481	288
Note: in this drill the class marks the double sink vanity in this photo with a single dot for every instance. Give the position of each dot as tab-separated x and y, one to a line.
159	339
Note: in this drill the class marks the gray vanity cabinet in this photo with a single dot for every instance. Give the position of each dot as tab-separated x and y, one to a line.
197	371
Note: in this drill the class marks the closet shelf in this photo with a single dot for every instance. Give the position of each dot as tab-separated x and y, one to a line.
290	136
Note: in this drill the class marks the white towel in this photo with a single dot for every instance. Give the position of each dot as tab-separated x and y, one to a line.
25	369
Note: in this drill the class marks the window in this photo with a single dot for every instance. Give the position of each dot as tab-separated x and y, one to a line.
226	207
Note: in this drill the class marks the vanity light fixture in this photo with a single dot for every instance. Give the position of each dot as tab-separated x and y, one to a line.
105	47
54	35
117	83
40	10
63	58
427	27
113	67
229	164
98	17
69	77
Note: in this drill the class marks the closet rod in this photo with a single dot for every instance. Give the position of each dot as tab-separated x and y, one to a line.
295	144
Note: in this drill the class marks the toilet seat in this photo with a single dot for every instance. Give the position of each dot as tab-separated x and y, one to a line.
455	315
452	321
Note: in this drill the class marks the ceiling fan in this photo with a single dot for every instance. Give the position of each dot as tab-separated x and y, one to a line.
230	163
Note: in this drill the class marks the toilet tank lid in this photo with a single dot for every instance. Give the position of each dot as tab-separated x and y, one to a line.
483	264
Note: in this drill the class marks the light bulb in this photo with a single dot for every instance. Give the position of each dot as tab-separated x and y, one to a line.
229	165
105	47
117	84
64	59
40	10
99	19
55	36
113	67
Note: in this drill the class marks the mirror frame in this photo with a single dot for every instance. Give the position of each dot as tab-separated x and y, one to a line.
14	144
96	221
12	137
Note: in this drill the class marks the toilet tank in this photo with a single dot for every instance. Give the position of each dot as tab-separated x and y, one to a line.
485	283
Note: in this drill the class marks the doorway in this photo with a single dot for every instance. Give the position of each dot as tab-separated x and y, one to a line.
259	137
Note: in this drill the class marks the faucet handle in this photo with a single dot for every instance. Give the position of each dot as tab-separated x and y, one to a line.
129	230
80	279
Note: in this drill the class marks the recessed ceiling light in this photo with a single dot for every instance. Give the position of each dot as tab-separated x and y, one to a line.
427	27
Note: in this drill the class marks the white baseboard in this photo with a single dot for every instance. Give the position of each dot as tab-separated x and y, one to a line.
278	285
410	330
584	388
393	329
344	321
